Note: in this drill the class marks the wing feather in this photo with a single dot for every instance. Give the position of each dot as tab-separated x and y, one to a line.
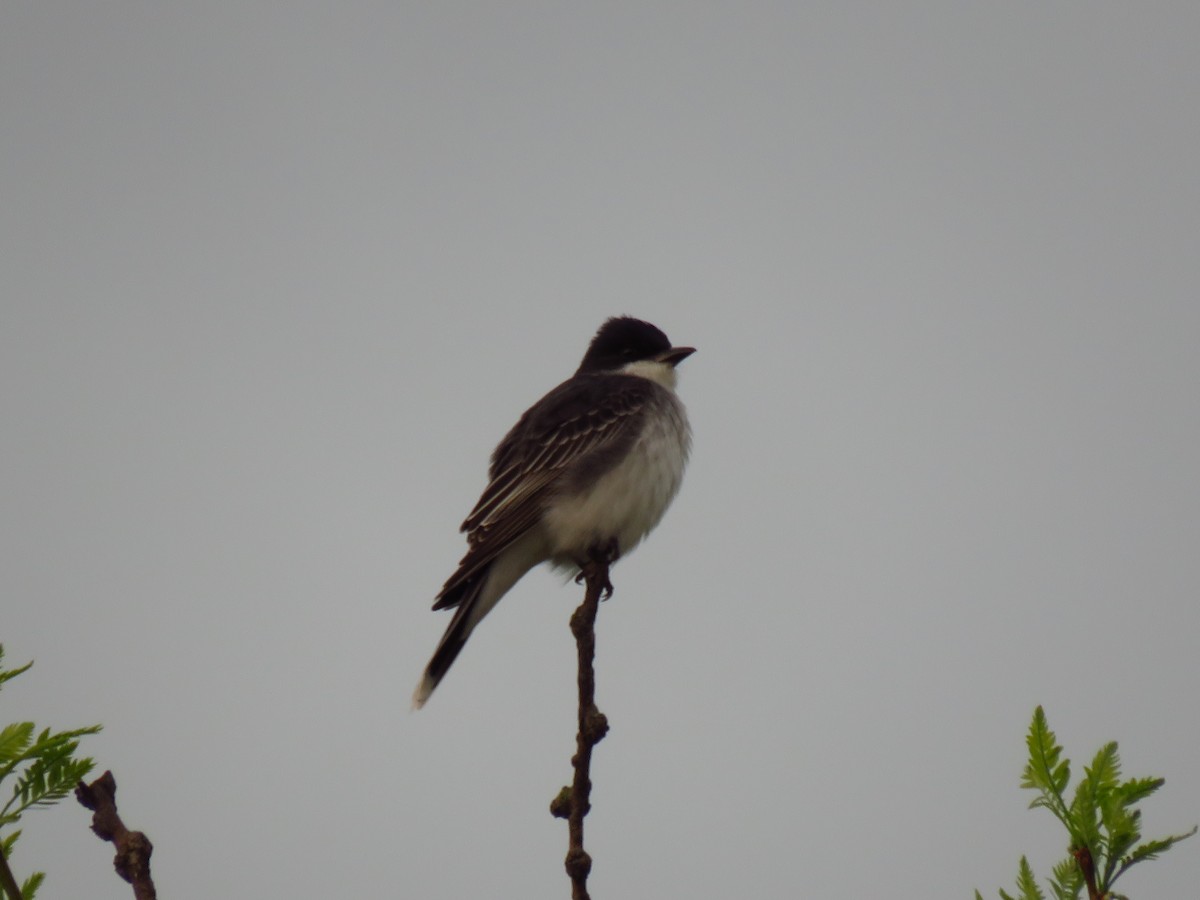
581	422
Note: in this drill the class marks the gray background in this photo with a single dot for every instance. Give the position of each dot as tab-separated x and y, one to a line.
276	277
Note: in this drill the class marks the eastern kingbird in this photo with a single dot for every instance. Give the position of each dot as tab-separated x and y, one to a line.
590	468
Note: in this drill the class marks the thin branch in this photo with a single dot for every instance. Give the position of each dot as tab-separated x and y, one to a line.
573	803
132	861
1083	858
7	880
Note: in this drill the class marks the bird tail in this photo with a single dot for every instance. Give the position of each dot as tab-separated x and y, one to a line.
475	589
468	614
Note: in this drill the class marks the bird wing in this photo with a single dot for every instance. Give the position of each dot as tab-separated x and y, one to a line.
574	422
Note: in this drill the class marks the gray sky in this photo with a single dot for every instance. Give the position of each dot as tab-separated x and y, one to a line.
276	277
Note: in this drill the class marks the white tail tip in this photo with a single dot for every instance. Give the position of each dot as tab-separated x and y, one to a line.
421	694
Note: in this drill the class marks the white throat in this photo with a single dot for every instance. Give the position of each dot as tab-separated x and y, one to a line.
658	372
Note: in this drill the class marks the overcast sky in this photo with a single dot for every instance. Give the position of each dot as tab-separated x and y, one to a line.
276	277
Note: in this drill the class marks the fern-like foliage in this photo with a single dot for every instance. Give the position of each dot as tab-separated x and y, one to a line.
30	885
14	740
1046	772
1027	887
5	675
41	770
1102	823
50	771
1066	879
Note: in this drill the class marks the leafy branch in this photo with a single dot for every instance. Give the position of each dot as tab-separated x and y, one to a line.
1103	825
42	771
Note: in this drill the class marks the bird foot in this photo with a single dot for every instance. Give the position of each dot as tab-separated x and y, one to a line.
600	556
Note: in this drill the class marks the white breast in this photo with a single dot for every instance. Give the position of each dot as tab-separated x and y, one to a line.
630	499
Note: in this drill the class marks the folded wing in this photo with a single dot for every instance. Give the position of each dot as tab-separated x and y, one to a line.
564	433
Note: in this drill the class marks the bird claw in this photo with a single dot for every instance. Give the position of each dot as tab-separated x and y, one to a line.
606	588
595	567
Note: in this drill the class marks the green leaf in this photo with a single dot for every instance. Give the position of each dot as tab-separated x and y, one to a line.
6	675
46	739
14	740
1097	815
1137	789
32	883
1046	772
1066	879
1153	849
1084	823
47	780
52	771
1105	771
1123	832
1149	850
1027	884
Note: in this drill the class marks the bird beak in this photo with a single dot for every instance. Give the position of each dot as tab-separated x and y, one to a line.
675	355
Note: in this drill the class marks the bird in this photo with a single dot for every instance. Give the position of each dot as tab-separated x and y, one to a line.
584	475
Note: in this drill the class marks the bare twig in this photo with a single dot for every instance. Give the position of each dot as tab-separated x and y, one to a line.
132	861
7	880
573	803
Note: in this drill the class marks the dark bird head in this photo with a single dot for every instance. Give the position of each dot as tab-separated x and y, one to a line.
623	340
